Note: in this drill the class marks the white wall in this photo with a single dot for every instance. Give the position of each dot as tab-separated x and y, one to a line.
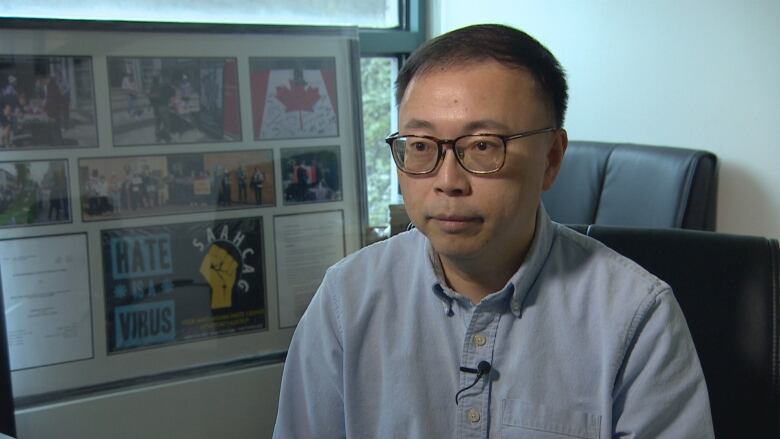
690	73
232	405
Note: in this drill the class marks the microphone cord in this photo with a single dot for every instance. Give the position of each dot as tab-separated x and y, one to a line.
482	368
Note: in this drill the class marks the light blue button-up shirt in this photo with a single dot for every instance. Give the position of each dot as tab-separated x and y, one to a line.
583	343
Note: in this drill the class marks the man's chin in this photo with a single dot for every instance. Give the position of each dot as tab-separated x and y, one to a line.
456	248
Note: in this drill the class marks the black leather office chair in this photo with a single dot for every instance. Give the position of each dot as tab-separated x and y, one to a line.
634	185
729	289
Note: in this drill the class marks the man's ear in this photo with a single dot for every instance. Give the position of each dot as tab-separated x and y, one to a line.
555	158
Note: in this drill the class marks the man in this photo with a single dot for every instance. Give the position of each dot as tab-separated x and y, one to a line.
52	104
162	96
9	94
115	190
241	177
6	126
487	319
258	178
131	93
137	191
225	192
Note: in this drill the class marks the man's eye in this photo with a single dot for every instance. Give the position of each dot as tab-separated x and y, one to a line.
420	146
484	145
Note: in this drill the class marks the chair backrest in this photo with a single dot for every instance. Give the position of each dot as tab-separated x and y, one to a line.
728	287
634	185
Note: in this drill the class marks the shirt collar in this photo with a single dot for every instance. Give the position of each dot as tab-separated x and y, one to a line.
518	285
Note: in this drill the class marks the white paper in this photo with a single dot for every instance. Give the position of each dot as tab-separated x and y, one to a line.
47	302
306	245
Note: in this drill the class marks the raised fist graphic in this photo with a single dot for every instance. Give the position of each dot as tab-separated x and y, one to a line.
220	270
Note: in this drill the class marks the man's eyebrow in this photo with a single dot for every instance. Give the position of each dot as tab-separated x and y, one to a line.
481	125
418	123
484	125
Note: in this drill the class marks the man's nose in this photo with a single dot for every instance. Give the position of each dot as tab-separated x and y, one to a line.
451	178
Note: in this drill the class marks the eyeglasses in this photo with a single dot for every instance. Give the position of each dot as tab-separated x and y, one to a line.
476	153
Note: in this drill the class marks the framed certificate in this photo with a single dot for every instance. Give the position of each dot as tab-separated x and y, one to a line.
46	293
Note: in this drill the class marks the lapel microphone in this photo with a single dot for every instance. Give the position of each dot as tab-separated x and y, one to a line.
482	368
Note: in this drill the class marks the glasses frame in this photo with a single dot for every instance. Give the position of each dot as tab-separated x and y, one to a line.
390	140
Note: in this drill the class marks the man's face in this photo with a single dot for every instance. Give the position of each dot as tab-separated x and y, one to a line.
479	218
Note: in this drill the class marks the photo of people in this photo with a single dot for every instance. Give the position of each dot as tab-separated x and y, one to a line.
34	192
294	97
311	174
46	102
173	100
175	183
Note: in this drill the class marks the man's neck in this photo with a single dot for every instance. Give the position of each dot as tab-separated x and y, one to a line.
473	286
478	277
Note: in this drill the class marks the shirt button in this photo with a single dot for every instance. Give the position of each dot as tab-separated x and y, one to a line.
473	416
480	340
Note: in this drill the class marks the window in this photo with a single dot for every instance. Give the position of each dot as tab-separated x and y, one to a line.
383	51
363	13
378	75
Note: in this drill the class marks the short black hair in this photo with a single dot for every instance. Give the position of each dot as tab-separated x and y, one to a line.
509	46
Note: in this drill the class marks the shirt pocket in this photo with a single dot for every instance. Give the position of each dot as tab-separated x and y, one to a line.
524	420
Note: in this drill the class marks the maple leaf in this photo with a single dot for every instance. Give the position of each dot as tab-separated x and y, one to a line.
298	97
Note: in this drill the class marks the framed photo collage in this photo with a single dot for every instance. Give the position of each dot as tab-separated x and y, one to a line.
169	199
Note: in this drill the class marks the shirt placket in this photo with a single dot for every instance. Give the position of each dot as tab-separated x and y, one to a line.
474	404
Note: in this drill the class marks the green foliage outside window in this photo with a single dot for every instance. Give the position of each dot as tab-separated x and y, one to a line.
376	76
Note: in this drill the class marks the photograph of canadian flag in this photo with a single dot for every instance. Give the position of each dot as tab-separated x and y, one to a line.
294	97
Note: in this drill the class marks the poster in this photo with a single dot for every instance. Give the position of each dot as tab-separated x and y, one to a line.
306	245
311	174
183	282
34	192
45	284
124	187
46	102
158	100
146	142
294	98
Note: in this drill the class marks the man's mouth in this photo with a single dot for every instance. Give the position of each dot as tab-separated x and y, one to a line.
455	223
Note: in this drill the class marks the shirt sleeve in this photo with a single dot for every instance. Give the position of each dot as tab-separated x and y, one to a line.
660	391
311	402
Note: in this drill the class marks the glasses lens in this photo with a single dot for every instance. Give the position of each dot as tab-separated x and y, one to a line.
415	154
481	153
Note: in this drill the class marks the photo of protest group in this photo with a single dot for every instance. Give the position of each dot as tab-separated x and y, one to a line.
294	97
311	174
49	101
46	102
34	192
173	100
175	183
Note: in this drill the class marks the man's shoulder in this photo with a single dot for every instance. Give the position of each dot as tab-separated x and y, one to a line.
584	256
378	270
606	295
384	255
